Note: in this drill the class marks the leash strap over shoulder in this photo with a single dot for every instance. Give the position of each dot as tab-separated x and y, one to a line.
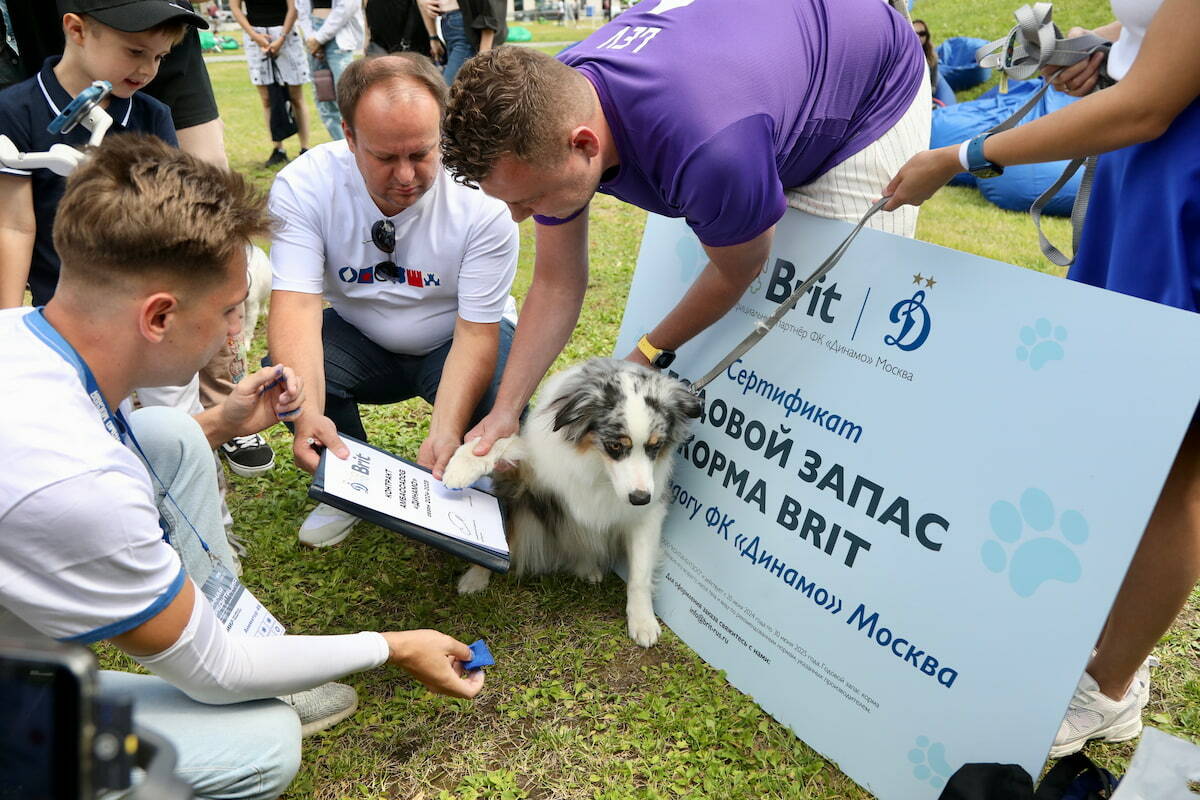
763	327
1036	42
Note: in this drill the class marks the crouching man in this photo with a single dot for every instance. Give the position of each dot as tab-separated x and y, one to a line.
152	243
415	267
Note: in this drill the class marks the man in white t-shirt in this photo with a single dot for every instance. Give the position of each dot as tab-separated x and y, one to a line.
152	242
416	270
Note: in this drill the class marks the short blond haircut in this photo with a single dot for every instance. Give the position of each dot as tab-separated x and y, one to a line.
511	101
138	207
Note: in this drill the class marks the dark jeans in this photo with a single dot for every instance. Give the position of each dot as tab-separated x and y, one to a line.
458	46
359	371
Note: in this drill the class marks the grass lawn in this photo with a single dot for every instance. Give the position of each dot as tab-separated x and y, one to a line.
574	709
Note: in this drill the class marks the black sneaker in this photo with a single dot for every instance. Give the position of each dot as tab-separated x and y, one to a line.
248	455
277	157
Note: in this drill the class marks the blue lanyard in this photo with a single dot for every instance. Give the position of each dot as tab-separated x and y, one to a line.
114	421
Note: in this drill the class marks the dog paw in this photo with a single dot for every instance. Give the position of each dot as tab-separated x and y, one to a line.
474	580
644	629
593	575
465	467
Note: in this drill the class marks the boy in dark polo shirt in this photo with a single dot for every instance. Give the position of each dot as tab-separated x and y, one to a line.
119	41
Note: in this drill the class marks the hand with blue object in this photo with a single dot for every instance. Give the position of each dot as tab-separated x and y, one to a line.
436	660
481	656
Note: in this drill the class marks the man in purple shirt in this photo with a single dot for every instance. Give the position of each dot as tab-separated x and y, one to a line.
701	109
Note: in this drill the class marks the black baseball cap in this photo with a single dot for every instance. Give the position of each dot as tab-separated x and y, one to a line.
133	16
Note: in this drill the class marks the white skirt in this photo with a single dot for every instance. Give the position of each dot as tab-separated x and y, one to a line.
291	62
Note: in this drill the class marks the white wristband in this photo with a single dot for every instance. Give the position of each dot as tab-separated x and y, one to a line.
962	155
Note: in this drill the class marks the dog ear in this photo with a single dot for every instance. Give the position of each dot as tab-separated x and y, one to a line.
574	411
686	403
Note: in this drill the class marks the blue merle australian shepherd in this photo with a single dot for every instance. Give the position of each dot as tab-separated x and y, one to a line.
592	464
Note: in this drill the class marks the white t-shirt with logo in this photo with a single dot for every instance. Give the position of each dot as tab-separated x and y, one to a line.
81	553
456	249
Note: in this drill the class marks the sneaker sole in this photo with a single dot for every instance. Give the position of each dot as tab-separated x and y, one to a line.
318	725
248	472
1123	733
327	542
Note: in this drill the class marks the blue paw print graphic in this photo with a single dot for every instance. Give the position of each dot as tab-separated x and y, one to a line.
930	762
692	257
1041	343
1037	560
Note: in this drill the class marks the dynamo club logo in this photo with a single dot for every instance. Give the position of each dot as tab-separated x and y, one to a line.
913	318
410	277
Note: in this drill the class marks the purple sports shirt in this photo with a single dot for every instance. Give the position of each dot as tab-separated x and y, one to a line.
717	105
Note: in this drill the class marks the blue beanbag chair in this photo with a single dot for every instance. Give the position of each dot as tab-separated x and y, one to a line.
955	124
956	61
1020	185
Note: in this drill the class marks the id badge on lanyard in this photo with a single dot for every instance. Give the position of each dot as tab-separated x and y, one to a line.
236	606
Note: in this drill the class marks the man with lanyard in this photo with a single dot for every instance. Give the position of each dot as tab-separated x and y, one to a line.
700	109
152	242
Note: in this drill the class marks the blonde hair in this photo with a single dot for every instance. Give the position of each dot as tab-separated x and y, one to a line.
511	101
138	206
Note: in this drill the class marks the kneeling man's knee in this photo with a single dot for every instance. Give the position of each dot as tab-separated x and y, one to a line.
283	760
170	439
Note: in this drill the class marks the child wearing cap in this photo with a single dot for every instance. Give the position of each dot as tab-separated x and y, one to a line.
121	42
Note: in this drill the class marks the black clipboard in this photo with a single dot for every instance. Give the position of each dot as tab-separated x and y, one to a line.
483	556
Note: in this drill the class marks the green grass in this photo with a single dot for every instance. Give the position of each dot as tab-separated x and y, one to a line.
575	709
555	32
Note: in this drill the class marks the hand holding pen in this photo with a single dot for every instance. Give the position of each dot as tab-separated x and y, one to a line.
258	401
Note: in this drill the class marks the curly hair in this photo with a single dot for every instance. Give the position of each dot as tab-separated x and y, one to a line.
138	206
510	101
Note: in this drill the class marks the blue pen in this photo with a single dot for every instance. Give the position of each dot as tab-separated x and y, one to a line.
279	376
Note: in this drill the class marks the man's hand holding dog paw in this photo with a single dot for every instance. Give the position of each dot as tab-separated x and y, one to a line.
436	660
436	451
464	468
496	425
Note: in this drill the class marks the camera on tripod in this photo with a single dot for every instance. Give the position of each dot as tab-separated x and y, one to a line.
61	740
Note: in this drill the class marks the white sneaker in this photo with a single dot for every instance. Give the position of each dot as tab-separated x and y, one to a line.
1094	715
322	707
326	526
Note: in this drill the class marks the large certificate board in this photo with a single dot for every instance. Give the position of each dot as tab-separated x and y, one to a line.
904	517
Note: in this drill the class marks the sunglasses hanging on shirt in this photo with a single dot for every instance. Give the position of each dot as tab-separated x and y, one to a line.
383	235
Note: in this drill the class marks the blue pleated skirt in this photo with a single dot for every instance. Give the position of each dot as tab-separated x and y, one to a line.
1142	232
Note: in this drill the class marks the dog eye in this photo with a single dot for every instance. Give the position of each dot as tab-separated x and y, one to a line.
614	449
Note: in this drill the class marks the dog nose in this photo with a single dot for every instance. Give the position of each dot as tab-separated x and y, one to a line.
639	497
